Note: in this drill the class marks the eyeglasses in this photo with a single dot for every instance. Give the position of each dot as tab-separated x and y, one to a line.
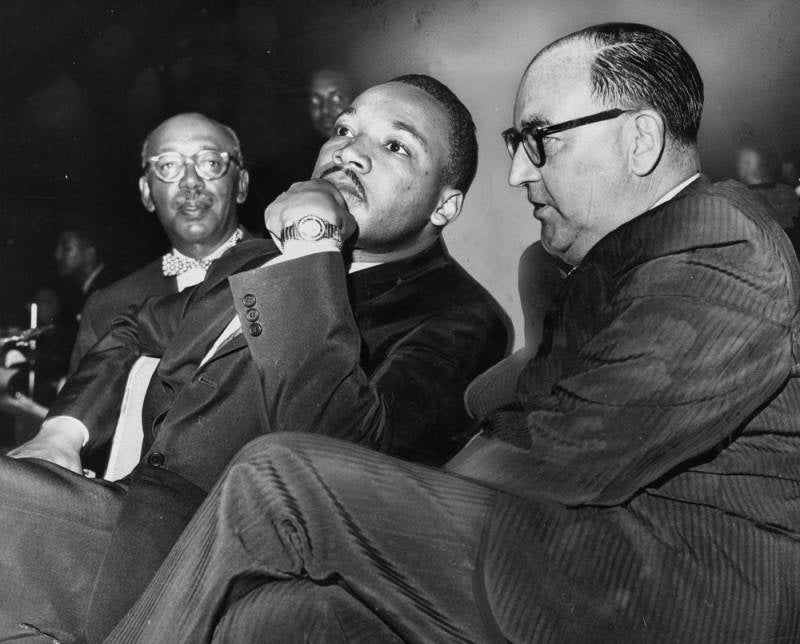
532	136
208	164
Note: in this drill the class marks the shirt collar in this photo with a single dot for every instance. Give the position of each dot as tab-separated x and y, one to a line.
88	283
671	193
228	243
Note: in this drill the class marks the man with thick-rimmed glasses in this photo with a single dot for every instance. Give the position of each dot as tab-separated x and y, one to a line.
642	483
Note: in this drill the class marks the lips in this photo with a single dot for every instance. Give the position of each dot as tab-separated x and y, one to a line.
193	204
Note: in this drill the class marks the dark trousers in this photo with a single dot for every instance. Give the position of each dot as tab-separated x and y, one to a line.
55	527
311	539
75	553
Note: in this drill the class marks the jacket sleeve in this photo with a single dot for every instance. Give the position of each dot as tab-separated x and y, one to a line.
308	357
688	348
93	394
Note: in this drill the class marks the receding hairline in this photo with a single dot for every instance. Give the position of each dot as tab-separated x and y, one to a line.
226	131
330	76
584	53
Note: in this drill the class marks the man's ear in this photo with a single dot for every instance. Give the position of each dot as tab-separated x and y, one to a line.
144	193
449	207
242	184
647	141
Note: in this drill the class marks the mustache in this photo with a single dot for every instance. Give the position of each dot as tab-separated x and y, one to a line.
350	174
194	197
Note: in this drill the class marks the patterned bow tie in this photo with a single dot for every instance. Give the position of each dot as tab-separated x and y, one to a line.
175	263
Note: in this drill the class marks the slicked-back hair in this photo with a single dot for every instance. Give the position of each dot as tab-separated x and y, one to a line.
237	146
462	162
641	66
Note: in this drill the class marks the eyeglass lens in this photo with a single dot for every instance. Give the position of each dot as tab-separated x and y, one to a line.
514	137
209	165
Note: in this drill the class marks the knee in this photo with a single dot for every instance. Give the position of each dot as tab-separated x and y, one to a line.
279	444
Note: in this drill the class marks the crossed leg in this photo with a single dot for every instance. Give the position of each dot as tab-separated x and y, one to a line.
355	537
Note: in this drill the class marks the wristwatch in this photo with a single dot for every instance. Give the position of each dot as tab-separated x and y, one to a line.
312	228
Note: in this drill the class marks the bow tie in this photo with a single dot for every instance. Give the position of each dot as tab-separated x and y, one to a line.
175	263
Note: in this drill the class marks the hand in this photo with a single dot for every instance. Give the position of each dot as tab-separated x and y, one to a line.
55	444
314	197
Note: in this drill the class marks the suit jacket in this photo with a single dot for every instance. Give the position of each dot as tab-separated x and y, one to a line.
114	297
416	332
651	463
105	304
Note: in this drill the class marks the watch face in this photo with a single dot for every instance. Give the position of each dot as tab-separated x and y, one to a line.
310	228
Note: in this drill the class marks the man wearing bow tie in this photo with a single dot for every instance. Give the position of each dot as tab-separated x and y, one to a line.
198	216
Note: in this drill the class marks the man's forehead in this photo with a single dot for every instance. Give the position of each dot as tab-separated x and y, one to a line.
180	132
325	80
556	86
392	103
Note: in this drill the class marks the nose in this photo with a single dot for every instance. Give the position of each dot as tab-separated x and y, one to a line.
351	154
522	170
190	178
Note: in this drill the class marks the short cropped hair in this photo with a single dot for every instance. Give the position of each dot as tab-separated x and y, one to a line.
237	146
640	66
463	157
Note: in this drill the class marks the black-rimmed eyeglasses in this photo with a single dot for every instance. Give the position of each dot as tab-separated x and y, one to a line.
208	164
532	136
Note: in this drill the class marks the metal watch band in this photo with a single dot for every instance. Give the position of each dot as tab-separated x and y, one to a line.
324	230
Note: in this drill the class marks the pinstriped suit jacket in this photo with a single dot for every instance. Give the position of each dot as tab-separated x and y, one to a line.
650	468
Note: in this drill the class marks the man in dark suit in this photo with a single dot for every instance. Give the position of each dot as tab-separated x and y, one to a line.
198	215
199	230
80	257
393	381
642	486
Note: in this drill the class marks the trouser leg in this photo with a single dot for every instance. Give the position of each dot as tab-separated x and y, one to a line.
54	530
300	612
401	539
157	508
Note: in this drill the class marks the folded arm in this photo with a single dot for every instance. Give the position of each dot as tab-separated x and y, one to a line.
672	371
85	412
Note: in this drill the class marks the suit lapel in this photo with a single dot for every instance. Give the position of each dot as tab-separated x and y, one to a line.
209	310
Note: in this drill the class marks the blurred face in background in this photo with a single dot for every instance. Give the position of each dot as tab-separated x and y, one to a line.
72	254
48	303
329	94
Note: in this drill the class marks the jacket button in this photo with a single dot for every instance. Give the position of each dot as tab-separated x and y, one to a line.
251	315
255	329
156	459
249	300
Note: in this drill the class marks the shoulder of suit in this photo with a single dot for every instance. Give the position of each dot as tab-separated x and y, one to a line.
134	288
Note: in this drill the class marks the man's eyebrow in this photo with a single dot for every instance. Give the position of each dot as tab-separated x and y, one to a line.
535	121
348	111
407	127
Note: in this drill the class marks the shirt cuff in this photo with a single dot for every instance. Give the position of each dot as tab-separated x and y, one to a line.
296	248
57	423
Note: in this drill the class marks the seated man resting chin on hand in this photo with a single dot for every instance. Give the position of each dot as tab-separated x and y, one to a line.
374	345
